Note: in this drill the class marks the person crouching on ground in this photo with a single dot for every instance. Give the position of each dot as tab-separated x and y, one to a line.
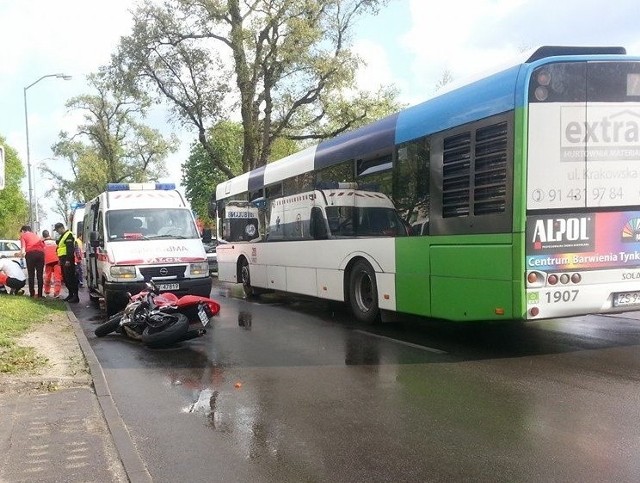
12	276
33	250
66	255
52	271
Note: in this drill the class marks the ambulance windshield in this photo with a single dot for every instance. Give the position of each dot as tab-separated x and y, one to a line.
150	223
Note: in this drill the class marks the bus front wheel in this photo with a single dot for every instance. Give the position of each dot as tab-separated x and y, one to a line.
363	292
245	278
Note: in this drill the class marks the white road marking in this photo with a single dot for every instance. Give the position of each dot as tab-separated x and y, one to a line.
409	344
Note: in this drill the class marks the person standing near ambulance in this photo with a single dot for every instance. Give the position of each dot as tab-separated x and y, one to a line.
66	255
33	250
52	269
78	260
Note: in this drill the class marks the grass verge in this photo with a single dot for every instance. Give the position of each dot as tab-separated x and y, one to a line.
17	316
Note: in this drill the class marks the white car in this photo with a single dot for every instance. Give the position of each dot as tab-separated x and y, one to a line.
11	249
212	256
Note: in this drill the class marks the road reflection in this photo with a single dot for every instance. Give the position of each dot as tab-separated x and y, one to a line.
245	320
299	386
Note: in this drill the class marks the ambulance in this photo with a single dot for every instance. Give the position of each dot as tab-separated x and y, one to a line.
135	232
76	220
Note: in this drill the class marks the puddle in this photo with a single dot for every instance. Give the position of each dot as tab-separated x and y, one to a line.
245	320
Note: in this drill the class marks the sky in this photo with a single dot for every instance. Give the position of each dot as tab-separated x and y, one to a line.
410	44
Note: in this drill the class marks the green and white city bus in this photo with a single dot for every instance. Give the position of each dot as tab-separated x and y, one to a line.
515	196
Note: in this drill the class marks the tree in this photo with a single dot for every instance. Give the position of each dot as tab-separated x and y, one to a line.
200	177
63	200
14	207
446	78
111	145
290	60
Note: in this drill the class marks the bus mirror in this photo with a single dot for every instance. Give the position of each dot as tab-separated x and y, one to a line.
212	207
260	203
219	207
206	235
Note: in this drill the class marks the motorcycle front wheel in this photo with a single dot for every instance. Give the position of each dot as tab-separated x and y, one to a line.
109	326
173	331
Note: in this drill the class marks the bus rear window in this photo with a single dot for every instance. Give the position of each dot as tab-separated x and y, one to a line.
586	82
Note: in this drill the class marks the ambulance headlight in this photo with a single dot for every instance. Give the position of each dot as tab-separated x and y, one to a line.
126	272
199	268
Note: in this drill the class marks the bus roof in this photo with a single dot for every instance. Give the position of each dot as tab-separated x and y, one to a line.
484	95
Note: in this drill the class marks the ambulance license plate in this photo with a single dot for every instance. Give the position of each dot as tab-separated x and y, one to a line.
168	286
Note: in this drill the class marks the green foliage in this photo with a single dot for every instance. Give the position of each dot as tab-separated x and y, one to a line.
14	207
344	113
200	177
447	78
110	146
291	62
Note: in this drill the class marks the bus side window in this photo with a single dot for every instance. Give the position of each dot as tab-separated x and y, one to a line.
378	222
100	227
341	222
411	181
318	225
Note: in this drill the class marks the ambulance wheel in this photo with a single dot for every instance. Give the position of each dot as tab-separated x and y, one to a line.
112	303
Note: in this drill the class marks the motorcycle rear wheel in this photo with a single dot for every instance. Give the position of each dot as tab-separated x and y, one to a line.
109	326
173	331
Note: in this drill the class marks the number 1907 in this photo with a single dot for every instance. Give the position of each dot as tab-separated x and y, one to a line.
561	296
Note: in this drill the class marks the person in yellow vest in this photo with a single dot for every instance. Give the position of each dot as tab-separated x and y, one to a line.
66	255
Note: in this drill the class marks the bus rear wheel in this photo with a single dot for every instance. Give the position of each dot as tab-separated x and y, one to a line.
363	292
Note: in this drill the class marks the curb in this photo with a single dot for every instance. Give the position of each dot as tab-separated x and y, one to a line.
133	465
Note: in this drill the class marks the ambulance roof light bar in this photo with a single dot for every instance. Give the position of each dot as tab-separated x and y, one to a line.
140	186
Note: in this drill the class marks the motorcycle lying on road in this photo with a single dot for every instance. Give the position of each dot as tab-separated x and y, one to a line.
161	318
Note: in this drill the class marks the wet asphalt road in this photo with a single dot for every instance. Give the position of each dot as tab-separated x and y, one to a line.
283	389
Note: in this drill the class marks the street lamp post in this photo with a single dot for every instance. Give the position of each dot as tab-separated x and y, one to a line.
26	123
36	220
